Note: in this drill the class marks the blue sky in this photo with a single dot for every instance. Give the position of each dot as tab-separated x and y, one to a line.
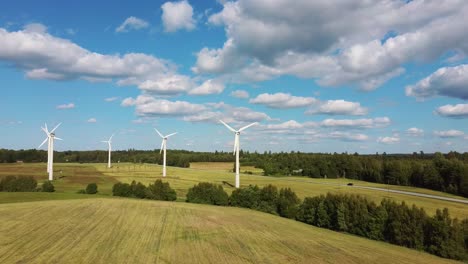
318	76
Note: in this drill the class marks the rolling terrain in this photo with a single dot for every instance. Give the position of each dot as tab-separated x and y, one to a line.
139	231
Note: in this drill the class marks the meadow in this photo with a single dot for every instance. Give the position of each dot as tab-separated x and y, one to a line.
73	177
123	230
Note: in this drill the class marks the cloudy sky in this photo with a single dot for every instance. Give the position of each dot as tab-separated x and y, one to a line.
318	76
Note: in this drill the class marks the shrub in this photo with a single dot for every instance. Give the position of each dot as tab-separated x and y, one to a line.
47	186
138	190
82	191
20	184
122	189
91	188
207	193
161	191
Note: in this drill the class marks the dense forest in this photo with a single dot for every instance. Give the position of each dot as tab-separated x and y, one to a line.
442	172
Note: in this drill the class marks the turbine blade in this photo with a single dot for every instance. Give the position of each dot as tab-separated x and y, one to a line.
162	145
43	142
171	134
110	139
244	128
52	131
105	141
45	130
230	128
45	126
159	133
58	138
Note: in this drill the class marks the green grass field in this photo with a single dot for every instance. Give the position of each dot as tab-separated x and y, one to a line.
123	230
76	176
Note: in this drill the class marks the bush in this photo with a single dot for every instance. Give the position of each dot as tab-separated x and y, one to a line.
82	191
47	186
20	184
207	193
161	191
138	190
122	189
91	188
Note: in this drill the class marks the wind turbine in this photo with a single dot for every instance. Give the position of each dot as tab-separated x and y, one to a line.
110	149
237	147
163	148
50	148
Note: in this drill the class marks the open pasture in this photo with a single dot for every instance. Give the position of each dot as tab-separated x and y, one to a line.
138	231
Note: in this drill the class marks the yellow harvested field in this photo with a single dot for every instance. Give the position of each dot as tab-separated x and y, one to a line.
141	231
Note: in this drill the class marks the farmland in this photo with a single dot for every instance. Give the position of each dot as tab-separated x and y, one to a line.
73	177
138	231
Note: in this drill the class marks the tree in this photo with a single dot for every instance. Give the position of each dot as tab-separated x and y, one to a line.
161	191
207	193
47	186
288	203
91	188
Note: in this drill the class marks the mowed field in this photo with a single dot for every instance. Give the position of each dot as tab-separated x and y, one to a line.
123	230
76	176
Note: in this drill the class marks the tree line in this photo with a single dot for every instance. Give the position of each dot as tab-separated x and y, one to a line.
388	221
441	172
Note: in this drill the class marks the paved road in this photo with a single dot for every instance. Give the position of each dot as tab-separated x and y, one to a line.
414	194
443	198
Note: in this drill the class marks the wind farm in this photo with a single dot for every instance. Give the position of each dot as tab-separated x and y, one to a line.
240	131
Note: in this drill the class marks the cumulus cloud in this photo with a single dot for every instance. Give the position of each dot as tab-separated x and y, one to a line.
388	140
66	106
240	94
346	136
177	15
132	23
338	107
335	42
449	133
92	120
43	56
208	87
282	100
446	81
149	106
453	111
357	123
415	132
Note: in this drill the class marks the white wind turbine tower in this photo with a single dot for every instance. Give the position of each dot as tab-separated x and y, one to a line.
50	149
237	147
109	142
163	148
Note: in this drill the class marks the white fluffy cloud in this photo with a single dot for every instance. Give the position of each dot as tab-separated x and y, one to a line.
240	94
449	133
415	132
446	81
149	106
177	15
453	111
92	120
208	87
388	140
132	23
357	123
66	106
282	100
335	42
338	107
